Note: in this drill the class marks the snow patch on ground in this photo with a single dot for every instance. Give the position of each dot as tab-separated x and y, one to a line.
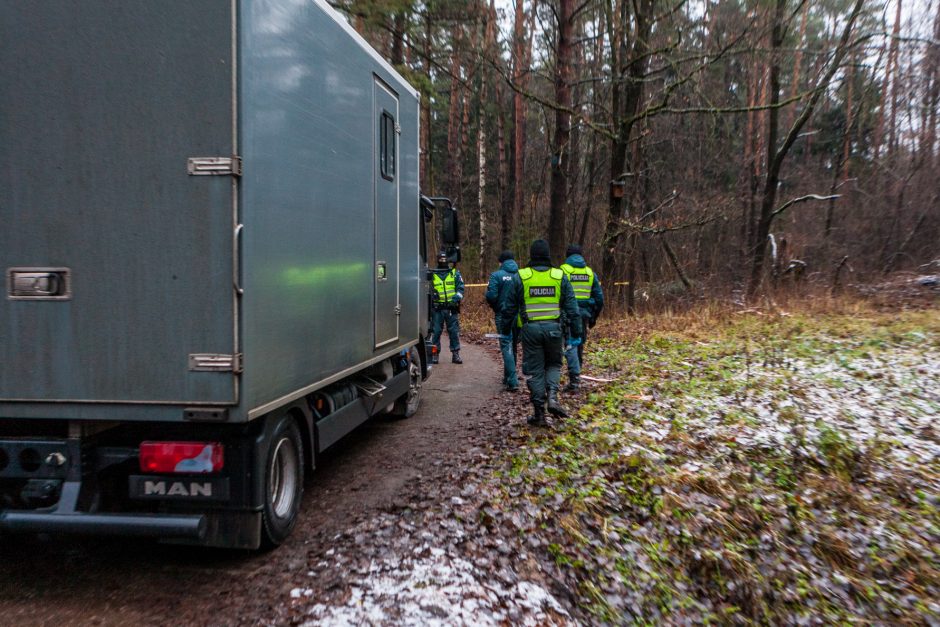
437	589
888	400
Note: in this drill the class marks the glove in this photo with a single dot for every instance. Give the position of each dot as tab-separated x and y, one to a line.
575	341
457	298
592	322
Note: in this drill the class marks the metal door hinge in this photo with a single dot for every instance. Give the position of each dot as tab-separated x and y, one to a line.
215	166
212	362
397	128
397	310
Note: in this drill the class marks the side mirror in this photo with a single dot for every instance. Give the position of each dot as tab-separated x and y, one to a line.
450	226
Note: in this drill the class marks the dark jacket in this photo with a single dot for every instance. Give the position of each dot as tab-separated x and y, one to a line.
515	303
595	304
500	281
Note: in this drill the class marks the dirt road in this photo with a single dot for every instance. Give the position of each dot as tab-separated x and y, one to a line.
111	581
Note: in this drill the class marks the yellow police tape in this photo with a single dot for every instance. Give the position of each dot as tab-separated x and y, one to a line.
485	284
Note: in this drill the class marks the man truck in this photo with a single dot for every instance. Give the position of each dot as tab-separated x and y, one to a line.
215	258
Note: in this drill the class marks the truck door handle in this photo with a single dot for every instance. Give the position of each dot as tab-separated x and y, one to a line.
38	284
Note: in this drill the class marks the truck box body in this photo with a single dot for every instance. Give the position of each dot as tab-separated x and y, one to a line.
103	107
214	261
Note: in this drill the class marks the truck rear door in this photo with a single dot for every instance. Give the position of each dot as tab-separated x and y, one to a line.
386	180
117	246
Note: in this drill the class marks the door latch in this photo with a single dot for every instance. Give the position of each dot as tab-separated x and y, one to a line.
39	284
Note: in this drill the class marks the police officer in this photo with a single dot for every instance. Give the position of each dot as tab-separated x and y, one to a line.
544	298
448	292
590	297
497	291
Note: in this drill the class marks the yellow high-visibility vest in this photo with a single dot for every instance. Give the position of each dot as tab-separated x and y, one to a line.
446	287
541	293
581	280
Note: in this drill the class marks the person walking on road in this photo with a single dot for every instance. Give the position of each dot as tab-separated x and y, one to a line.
544	298
497	291
590	297
448	292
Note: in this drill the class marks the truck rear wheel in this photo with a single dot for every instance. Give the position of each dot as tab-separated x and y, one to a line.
407	405
283	482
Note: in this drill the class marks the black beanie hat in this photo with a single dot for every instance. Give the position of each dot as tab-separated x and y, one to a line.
539	251
506	255
573	249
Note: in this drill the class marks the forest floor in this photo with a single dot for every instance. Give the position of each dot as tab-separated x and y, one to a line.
730	466
769	468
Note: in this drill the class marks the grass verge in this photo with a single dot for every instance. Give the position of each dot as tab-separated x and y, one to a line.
746	468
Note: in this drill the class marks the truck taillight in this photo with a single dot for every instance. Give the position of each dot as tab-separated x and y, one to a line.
189	457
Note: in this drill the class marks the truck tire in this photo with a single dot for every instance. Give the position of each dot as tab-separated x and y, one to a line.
283	482
407	405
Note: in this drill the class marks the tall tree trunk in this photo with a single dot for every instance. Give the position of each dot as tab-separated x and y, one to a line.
425	174
521	48
932	99
560	142
893	125
505	200
889	78
481	180
841	170
488	42
463	144
797	63
397	56
759	244
629	66
453	119
776	156
593	158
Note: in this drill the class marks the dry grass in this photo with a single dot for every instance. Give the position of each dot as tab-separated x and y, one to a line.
700	316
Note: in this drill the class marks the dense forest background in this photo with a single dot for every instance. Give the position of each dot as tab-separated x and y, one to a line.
690	146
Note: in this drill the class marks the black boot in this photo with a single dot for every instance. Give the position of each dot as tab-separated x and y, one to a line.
455	358
537	419
574	384
554	407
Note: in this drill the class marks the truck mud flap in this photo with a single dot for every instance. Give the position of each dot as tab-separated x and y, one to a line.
140	525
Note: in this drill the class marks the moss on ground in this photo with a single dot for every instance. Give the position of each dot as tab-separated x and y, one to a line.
748	468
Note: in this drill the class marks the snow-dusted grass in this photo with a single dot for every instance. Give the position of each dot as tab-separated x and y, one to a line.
770	469
436	589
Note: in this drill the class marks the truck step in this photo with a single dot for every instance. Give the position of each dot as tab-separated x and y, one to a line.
368	386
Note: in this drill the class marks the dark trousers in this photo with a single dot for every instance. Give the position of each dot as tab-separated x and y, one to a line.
542	346
508	347
451	319
575	354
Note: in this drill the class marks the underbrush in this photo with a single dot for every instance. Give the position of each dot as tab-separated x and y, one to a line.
741	466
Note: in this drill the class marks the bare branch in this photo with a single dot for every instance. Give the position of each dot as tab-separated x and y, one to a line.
806	198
